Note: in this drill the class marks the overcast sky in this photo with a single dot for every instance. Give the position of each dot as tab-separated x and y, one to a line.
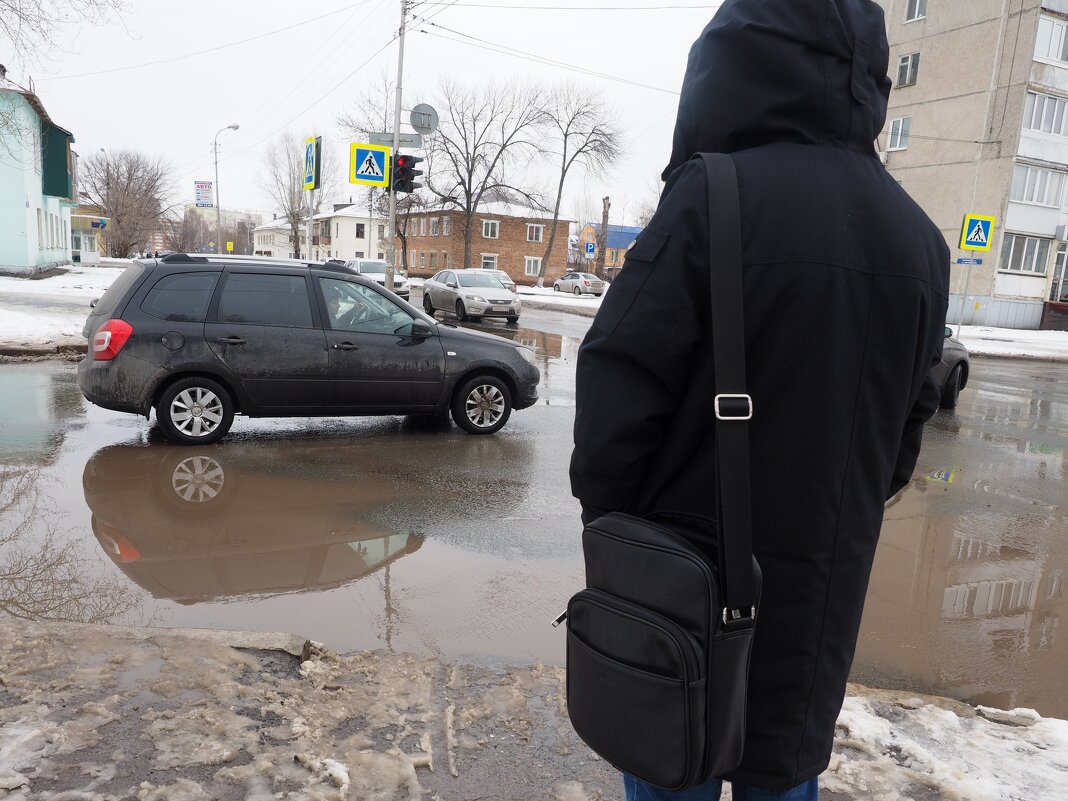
301	79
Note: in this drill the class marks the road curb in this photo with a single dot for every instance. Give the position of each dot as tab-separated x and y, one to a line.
1023	357
22	351
533	304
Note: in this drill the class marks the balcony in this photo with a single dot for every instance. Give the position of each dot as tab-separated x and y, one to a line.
320	240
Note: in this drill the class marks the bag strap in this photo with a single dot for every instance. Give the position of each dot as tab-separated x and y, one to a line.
732	405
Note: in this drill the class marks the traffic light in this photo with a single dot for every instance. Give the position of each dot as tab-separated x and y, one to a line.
404	173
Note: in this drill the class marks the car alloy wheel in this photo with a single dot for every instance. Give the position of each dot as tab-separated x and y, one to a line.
485	405
428	305
461	311
951	392
556	287
482	405
198	479
195	411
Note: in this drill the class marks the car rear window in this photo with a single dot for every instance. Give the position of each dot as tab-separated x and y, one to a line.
266	300
117	291
181	298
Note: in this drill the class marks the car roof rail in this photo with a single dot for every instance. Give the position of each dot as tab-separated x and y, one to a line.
182	258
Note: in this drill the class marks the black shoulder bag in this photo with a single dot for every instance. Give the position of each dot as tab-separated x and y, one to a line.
658	644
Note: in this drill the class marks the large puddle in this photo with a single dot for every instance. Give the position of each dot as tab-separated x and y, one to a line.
387	533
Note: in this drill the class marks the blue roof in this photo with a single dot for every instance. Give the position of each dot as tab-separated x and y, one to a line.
620	237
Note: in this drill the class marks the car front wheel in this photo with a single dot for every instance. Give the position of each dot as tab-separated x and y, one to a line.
482	405
951	393
195	411
461	311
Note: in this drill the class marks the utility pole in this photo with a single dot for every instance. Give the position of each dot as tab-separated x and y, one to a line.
396	143
602	238
218	207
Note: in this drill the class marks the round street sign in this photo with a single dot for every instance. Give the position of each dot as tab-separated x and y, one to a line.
424	118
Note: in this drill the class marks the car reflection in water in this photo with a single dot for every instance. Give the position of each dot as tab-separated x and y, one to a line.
206	524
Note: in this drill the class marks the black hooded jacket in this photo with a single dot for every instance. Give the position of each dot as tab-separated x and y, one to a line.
845	286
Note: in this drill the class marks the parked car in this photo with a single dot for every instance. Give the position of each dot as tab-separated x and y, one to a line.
952	372
500	275
376	271
580	284
470	294
200	340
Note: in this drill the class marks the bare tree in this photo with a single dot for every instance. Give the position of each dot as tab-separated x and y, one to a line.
602	237
186	234
484	131
132	189
283	181
32	27
586	133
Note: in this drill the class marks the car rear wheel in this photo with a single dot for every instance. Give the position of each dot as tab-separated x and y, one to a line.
556	287
578	291
952	389
461	311
482	405
428	304
195	411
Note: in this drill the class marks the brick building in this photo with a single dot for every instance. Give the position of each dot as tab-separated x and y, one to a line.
504	237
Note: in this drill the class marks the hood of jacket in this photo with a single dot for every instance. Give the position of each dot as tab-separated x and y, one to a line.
764	71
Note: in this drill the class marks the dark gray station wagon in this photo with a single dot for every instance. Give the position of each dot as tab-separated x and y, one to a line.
200	339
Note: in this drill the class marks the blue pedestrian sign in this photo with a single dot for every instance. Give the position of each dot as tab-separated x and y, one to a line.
313	149
369	164
977	233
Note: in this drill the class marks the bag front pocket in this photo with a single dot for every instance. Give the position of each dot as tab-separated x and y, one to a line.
634	688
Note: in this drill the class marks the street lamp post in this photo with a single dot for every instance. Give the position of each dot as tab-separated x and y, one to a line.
218	207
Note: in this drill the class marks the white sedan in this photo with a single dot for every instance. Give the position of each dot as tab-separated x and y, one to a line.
470	294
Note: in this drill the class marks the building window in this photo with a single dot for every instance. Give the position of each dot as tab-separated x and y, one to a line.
1038	186
489	261
535	233
1051	42
435	225
532	267
1058	291
491	229
444	258
381	232
915	9
899	133
422	226
907	69
433	260
446	226
422	260
1044	113
360	231
1024	254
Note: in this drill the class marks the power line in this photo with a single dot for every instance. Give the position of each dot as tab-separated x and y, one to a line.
702	7
195	53
522	54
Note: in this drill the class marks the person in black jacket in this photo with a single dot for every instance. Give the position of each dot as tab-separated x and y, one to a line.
845	295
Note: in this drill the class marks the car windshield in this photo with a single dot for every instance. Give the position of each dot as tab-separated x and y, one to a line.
372	267
487	281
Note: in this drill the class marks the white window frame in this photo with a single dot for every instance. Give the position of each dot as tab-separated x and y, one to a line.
899	133
422	259
422	226
910	63
529	263
1011	244
1045	113
915	10
496	225
1037	186
435	226
1051	41
535	232
446	226
489	260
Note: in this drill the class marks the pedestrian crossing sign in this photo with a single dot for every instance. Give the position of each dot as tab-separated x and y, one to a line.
369	165
977	233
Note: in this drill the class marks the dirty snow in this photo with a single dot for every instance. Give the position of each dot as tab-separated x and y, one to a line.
549	296
981	340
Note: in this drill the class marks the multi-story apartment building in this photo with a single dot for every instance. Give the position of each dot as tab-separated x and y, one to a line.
978	123
344	232
503	237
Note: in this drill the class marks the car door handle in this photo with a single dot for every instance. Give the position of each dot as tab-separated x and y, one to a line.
345	346
231	341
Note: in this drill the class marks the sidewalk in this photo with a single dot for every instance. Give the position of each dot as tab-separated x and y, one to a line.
40	317
151	714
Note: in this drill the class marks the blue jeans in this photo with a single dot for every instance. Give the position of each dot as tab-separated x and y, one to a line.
637	790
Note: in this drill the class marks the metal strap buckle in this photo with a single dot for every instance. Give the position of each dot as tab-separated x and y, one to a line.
748	415
738	615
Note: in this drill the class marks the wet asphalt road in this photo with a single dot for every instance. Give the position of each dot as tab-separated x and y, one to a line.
390	533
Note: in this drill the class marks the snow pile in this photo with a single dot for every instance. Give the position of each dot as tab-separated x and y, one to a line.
547	296
983	341
78	284
895	747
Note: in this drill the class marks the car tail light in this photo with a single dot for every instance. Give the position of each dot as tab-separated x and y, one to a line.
587	283
110	338
117	545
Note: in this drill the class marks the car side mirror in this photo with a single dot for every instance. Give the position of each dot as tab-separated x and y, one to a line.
948	333
450	284
421	331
